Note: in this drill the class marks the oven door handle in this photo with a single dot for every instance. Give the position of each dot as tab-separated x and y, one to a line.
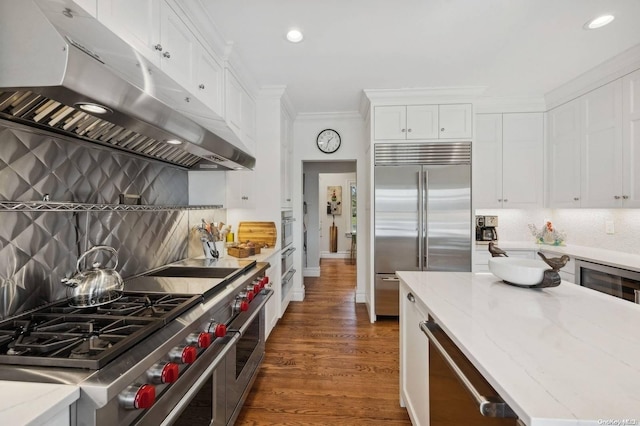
488	407
288	252
246	322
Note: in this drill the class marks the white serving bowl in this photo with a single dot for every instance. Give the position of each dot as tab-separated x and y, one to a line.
518	271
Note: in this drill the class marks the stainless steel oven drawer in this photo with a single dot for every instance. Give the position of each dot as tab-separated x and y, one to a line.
287	259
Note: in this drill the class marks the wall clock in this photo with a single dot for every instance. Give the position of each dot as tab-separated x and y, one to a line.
328	141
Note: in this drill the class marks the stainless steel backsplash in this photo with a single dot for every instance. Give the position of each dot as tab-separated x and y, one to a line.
37	249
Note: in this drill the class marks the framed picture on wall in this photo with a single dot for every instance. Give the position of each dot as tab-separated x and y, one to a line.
334	200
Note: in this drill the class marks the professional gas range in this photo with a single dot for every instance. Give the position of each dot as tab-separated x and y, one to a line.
170	348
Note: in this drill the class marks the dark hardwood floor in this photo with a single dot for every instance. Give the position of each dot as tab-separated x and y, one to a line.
325	363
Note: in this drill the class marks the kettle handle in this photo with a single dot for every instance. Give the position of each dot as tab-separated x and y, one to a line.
98	248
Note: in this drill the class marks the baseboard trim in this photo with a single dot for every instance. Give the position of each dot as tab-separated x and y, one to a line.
338	255
311	272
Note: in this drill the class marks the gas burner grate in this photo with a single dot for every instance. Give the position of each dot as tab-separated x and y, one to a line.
65	336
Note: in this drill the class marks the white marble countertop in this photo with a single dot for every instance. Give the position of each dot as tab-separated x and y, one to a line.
24	403
597	255
559	356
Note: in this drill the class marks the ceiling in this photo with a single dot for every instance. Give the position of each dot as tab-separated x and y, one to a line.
513	47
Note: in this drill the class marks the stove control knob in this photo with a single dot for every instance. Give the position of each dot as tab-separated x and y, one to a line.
265	280
164	372
138	397
201	340
240	305
256	288
218	330
183	354
251	293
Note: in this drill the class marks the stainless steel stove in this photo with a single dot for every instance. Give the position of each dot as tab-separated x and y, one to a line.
170	347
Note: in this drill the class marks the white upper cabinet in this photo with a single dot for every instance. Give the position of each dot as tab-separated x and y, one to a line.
240	110
208	81
135	21
421	122
487	161
590	155
508	160
563	161
286	131
179	48
454	121
155	30
631	140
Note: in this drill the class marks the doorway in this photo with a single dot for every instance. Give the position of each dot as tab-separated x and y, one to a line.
329	199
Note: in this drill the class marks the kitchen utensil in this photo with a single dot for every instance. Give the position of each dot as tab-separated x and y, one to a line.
95	286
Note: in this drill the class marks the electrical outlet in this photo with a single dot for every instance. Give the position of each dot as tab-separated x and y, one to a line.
608	227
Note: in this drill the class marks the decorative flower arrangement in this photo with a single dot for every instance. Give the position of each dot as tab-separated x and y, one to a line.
548	234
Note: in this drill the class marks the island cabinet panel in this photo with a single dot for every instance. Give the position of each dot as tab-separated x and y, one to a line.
414	358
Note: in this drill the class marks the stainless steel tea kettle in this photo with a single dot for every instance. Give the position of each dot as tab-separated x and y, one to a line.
95	286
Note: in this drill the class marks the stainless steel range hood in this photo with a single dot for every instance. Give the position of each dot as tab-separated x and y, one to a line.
53	60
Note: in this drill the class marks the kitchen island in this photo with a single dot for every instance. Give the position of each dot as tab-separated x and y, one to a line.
566	355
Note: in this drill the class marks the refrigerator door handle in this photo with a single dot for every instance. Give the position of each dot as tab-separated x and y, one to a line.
420	233
425	220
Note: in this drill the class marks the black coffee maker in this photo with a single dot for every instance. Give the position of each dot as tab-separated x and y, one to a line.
486	229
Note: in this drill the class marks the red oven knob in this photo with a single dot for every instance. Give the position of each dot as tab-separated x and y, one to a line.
249	293
219	330
240	305
183	354
257	288
138	397
201	340
265	280
164	372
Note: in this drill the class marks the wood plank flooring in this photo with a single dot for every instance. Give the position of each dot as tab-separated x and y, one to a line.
326	364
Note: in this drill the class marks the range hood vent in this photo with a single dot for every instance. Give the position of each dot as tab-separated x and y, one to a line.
64	59
38	111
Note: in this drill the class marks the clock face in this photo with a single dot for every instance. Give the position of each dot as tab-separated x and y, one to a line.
328	141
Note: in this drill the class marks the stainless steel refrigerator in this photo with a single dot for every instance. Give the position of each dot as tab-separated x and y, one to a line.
422	213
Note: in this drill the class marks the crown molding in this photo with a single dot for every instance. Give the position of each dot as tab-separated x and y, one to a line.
612	69
426	94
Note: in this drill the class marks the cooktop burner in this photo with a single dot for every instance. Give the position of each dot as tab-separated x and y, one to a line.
64	336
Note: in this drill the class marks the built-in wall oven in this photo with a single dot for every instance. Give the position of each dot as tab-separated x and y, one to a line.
617	282
287	228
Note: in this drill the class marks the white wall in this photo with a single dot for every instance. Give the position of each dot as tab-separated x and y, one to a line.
352	130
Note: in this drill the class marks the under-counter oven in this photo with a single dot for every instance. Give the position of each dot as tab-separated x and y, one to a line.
617	282
287	228
458	393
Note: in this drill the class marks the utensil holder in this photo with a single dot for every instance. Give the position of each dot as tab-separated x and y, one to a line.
209	249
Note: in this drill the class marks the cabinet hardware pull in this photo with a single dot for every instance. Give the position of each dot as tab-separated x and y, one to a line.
201	86
187	99
625	197
617	197
499	200
488	408
403	130
505	200
411	297
408	130
576	199
166	55
158	47
442	129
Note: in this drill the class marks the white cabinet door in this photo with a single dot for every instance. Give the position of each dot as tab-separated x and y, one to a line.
390	122
208	80
248	113
272	308
522	160
240	187
414	358
135	21
455	121
487	161
285	160
179	47
601	149
422	122
563	159
631	140
233	105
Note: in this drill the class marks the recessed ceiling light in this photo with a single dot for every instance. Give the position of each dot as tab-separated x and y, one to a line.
598	22
174	142
93	108
294	36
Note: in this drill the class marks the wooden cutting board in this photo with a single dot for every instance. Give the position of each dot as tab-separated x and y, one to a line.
258	232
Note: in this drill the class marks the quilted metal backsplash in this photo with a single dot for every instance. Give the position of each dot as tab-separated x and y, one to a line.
37	249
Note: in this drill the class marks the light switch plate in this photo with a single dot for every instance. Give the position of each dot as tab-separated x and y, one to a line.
608	227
